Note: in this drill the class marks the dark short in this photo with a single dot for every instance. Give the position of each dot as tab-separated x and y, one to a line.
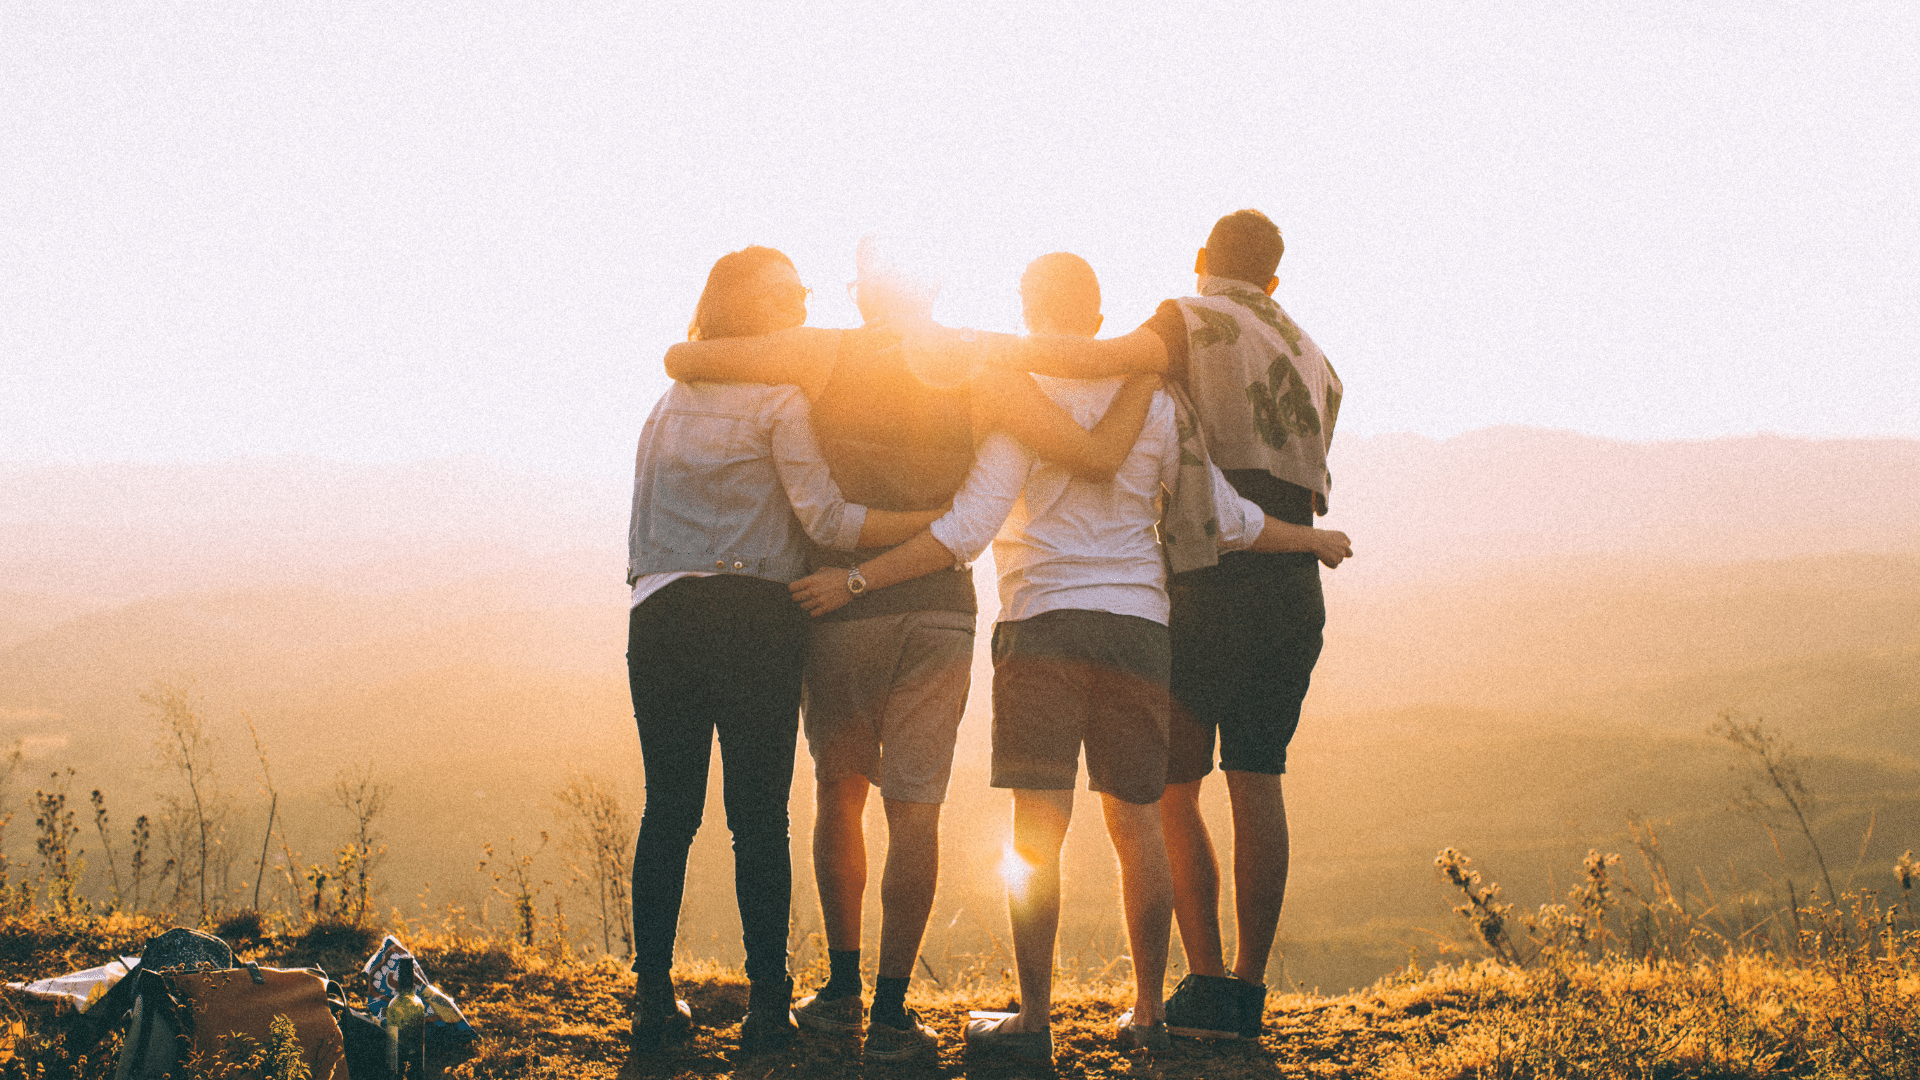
1064	679
1246	634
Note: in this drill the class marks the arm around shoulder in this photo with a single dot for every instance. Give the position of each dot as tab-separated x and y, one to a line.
800	356
1012	402
1068	357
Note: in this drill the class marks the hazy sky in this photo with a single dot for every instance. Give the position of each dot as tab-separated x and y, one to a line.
381	232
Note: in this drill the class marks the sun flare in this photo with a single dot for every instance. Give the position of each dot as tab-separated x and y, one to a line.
1015	871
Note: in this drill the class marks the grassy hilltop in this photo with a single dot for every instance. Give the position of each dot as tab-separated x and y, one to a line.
1601	987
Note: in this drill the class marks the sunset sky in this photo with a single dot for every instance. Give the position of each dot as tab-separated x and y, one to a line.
390	232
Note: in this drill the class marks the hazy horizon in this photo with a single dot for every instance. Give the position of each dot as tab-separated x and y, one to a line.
1528	646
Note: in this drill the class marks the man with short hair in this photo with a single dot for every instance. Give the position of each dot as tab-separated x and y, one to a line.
1246	631
1081	657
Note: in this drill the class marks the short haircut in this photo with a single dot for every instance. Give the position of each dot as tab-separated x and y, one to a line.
1061	290
725	308
1244	246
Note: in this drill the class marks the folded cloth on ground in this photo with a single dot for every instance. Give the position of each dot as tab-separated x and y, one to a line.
448	1032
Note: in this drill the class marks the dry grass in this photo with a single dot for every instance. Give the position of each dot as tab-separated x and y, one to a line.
1733	1018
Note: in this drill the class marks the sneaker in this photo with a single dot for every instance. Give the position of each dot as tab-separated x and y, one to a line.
888	1043
658	1017
1149	1037
835	1016
768	1024
987	1034
1253	1007
1205	1007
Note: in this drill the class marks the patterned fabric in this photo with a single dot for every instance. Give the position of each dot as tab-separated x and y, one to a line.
1266	391
1189	520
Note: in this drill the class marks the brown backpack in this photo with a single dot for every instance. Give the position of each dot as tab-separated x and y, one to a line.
181	1016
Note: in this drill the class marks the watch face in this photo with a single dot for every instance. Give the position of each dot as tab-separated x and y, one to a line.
856	583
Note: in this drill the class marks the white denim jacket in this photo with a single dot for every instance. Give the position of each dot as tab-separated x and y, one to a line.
729	480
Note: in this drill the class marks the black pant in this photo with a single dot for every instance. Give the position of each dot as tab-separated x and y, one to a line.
718	653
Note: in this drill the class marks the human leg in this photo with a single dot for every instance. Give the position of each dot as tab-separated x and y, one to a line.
758	733
907	886
1195	872
1261	854
676	734
894	1032
755	644
1039	695
914	728
675	725
840	857
1146	893
1040	820
1247	635
840	878
884	700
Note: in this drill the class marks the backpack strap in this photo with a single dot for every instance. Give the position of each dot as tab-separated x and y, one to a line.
154	995
112	1007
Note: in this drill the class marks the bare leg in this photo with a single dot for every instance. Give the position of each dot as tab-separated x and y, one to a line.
1146	891
1196	878
1033	906
840	857
1260	857
907	885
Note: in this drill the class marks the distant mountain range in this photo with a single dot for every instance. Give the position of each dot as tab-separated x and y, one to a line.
1530	642
1412	505
1416	503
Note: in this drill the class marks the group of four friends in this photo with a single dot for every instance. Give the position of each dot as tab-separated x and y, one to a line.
807	504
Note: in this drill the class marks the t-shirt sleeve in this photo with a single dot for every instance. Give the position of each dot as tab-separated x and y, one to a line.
1170	323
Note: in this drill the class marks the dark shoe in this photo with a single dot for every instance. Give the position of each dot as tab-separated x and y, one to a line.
1253	1007
769	1021
987	1034
1149	1037
658	1016
835	1016
888	1043
1205	1007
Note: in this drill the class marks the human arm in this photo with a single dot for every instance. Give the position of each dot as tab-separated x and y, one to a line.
1012	402
801	356
1244	526
1069	357
1063	356
1330	546
825	589
818	502
979	507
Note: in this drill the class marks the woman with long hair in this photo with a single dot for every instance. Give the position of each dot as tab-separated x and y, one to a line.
728	486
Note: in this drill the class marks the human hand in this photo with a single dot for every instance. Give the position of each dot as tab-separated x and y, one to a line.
1331	547
822	591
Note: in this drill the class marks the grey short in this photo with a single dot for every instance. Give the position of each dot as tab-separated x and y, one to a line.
1064	678
884	696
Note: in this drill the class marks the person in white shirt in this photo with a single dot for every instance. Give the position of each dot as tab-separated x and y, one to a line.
1081	655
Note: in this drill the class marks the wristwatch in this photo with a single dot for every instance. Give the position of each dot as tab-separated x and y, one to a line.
856	584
